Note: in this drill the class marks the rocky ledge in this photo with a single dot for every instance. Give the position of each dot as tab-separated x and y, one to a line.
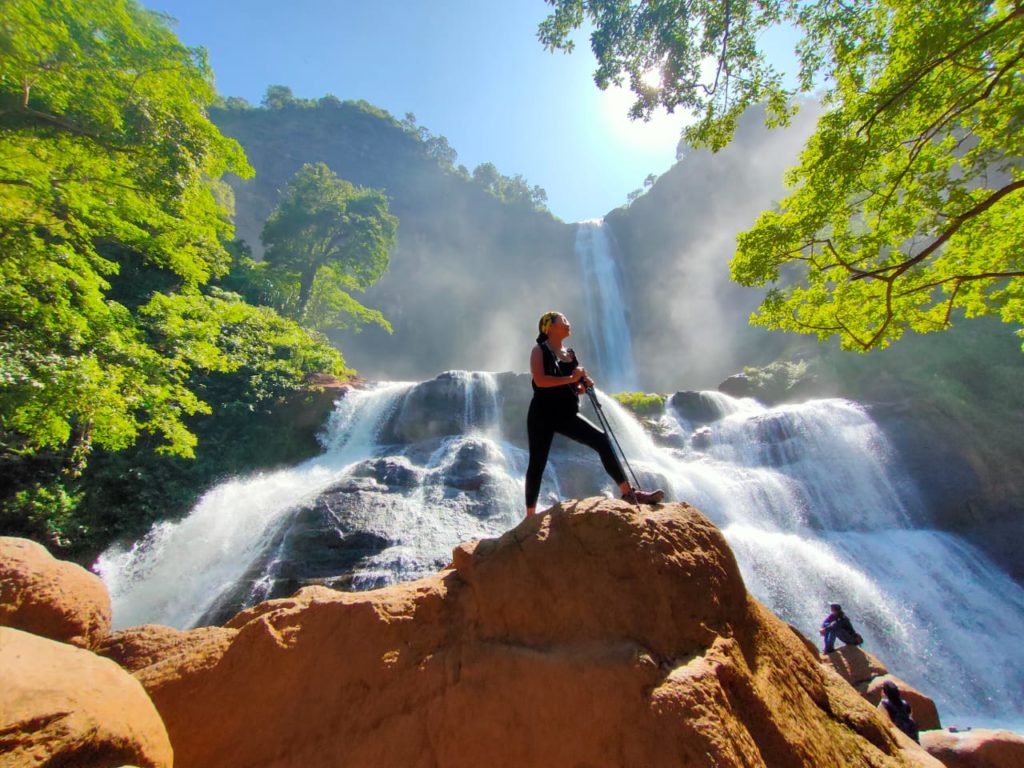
593	634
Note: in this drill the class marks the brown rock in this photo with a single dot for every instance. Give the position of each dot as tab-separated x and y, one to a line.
140	647
978	748
594	635
63	706
923	709
854	665
810	646
51	598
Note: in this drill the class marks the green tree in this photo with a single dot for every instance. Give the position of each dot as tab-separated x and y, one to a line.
510	189
105	149
906	209
325	239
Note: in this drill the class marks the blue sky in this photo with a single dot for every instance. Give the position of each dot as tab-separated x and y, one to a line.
471	70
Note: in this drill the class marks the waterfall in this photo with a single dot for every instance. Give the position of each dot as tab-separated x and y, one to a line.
228	553
809	497
607	327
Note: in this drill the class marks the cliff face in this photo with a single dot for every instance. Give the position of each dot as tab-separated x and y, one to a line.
594	634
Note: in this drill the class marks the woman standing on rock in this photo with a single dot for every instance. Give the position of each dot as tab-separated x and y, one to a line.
558	380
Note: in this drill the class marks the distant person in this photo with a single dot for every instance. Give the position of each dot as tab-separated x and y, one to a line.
837	626
558	381
898	710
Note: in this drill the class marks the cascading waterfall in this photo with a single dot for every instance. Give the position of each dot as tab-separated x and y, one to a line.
808	497
614	367
238	532
815	510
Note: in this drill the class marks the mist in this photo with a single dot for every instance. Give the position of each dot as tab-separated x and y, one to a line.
470	275
469	294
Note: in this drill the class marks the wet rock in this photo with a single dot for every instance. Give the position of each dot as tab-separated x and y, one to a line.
432	409
738	385
393	471
469	469
695	407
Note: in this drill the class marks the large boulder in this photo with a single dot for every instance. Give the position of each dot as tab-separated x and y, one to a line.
64	706
978	748
855	666
925	713
594	634
49	597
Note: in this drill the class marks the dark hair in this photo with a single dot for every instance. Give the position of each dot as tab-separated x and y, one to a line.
541	338
891	691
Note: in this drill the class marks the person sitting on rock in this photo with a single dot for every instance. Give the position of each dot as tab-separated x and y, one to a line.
898	710
558	380
837	625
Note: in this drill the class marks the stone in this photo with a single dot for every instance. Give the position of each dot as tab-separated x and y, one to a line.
695	407
922	707
593	634
738	385
65	706
854	665
976	748
51	598
140	647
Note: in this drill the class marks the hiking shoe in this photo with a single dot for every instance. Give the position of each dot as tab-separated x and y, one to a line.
636	496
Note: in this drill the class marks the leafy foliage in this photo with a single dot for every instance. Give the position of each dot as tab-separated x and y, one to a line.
103	143
641	403
325	239
661	48
112	225
906	207
510	189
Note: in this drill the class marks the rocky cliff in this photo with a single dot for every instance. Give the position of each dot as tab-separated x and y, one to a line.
595	634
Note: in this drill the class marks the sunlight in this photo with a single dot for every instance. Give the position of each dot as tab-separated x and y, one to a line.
661	131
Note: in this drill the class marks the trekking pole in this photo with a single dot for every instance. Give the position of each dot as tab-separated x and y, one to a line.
607	427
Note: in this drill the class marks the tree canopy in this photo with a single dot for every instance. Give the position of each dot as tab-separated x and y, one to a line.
906	208
325	239
110	224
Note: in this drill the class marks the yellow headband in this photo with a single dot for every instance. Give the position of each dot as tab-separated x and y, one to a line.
546	321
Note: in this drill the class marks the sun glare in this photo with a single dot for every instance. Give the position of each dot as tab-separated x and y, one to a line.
662	130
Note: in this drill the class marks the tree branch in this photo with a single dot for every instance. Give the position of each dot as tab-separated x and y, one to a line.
915	78
961	279
956	223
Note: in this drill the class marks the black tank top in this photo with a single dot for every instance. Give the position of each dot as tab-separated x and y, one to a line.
560	398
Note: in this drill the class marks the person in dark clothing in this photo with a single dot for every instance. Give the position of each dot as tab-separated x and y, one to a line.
558	380
837	626
898	710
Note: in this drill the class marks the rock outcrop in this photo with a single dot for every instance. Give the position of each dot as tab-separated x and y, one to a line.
49	597
868	674
64	706
591	635
979	748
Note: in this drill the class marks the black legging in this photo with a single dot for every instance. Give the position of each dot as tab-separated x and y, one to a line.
541	426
